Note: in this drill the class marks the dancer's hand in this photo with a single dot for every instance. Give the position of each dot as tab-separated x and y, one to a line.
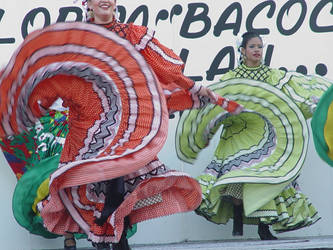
204	91
229	105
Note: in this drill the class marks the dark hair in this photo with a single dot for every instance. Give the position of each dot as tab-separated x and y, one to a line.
247	36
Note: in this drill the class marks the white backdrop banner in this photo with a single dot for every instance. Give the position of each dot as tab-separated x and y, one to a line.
297	33
298	36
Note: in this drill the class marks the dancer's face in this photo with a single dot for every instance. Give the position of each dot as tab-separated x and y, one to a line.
253	52
103	10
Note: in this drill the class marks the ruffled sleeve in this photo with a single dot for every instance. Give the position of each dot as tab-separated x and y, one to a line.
179	90
305	90
166	64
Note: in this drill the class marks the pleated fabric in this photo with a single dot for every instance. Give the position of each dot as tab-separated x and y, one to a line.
118	122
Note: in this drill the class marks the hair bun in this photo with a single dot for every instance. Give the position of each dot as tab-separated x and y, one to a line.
250	33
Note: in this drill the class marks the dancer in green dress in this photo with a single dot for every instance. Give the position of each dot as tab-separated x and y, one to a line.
252	177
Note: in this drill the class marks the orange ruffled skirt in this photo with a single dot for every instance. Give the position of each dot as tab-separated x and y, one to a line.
118	121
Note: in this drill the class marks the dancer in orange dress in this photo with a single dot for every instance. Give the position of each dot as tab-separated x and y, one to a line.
120	85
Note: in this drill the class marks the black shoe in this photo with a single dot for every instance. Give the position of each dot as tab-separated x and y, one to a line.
238	221
264	233
101	246
68	244
122	244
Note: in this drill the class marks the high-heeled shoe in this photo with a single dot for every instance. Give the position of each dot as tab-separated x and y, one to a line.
69	244
238	220
264	232
101	246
